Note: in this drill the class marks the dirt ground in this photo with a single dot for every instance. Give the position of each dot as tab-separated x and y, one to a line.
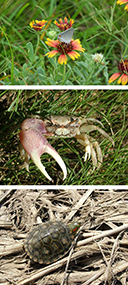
100	254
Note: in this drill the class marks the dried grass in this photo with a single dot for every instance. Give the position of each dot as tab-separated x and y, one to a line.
101	253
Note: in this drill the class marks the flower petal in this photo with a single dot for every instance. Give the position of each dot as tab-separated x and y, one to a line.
121	2
71	22
61	21
62	59
123	79
77	45
52	43
73	54
51	53
65	20
126	7
114	77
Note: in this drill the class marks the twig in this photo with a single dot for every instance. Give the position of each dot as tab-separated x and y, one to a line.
79	204
104	234
119	268
5	224
11	249
4	196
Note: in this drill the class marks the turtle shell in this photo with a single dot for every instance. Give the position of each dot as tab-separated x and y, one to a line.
50	241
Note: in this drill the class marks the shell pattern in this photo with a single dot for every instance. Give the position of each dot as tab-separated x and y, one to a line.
50	241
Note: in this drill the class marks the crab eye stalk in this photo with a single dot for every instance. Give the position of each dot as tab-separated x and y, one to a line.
35	144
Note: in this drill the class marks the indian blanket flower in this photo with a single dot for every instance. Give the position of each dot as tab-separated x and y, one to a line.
123	67
37	25
123	2
64	25
64	49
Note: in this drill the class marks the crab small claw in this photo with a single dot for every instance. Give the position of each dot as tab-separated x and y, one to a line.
35	144
87	153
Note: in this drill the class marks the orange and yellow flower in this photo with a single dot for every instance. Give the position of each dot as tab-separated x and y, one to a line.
123	67
37	25
123	2
64	49
64	25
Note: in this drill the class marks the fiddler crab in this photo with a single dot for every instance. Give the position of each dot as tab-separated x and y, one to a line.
34	143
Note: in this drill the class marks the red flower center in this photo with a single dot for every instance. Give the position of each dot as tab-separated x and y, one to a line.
64	47
66	26
37	25
123	66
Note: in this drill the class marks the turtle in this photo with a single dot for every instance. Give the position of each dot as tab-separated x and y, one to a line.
48	242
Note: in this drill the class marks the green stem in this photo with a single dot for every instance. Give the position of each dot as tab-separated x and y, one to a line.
56	71
125	51
64	74
37	45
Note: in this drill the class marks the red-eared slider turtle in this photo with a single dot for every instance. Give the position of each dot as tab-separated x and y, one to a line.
50	241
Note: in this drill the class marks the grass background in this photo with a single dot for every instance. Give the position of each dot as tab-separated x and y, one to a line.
101	27
108	106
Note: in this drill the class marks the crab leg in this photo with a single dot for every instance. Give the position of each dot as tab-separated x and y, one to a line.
90	128
89	145
89	150
35	144
85	121
98	151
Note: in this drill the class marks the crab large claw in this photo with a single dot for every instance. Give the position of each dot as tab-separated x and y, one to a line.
35	144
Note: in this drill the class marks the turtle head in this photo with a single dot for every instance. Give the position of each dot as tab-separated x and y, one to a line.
74	227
